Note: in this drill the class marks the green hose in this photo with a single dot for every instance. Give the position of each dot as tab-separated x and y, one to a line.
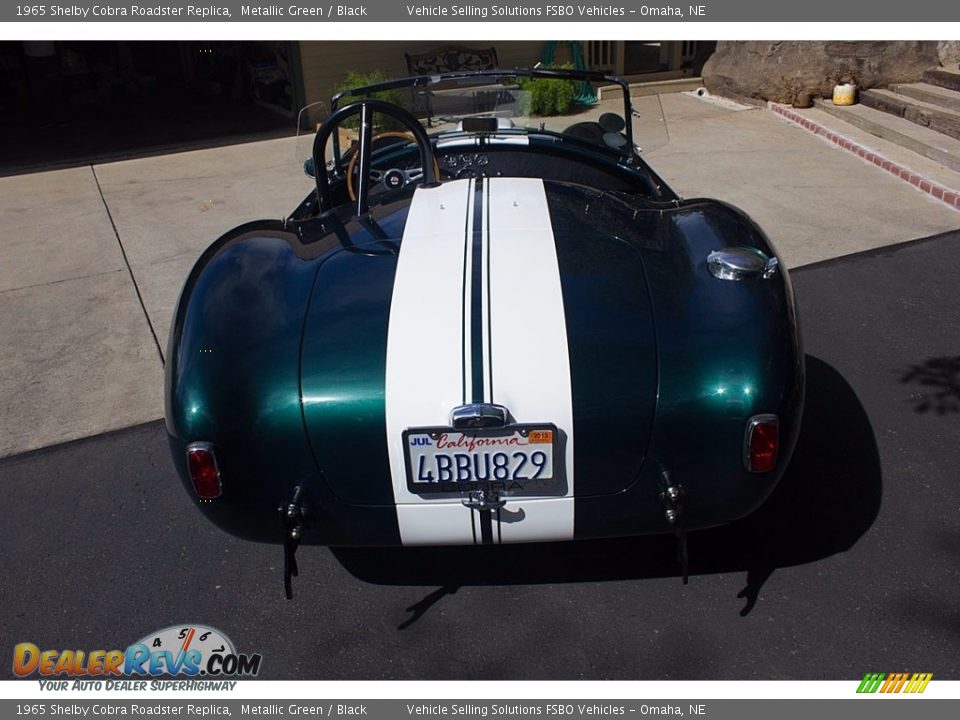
586	95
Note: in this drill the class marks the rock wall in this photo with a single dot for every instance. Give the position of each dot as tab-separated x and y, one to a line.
949	52
778	70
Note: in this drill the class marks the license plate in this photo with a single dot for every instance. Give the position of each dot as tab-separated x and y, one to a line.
518	459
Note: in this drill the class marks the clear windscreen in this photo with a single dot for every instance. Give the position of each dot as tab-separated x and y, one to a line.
503	103
649	123
308	122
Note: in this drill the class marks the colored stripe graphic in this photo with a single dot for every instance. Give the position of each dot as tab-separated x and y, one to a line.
919	682
894	682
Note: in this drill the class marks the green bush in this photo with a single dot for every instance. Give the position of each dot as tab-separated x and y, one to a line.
548	96
357	80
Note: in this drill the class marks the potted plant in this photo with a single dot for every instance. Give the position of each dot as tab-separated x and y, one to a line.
794	92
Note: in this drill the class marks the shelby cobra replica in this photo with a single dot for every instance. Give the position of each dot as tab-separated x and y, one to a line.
490	333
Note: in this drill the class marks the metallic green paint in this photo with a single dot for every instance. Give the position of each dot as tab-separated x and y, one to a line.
344	366
727	350
233	379
277	357
611	340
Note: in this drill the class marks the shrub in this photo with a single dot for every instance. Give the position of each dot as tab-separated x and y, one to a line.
549	96
357	80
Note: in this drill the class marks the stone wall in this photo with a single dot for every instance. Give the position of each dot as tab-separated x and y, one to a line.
777	70
949	52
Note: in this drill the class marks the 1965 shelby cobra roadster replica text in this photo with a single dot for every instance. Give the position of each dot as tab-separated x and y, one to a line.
490	333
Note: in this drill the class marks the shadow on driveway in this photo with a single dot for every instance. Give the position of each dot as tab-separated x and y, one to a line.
827	499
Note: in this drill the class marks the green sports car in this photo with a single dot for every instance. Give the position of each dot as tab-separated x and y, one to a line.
483	327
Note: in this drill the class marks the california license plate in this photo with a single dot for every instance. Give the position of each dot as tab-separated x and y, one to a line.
518	459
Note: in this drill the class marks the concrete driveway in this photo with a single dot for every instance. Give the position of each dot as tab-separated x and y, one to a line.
92	258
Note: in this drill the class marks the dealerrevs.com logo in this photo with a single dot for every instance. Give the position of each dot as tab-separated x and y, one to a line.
910	683
191	651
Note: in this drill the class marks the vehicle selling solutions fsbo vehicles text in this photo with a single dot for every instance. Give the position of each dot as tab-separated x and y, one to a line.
591	10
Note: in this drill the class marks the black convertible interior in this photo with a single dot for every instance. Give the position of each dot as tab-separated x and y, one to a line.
379	166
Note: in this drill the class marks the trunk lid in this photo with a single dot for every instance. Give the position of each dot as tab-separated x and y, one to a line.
504	291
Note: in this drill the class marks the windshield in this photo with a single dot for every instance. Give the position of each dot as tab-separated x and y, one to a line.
577	102
593	107
528	98
453	108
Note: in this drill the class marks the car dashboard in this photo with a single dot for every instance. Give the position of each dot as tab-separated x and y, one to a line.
563	160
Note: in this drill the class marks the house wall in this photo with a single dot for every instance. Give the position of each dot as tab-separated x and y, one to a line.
324	64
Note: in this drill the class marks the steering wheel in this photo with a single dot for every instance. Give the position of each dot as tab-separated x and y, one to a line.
392	179
366	108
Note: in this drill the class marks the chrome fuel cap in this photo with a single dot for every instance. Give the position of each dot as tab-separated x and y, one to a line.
741	263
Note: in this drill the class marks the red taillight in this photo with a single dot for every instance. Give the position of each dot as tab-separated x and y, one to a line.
760	443
204	472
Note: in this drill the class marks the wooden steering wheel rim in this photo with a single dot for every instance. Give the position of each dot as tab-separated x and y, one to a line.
351	191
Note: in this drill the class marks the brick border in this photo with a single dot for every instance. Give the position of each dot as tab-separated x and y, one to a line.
924	184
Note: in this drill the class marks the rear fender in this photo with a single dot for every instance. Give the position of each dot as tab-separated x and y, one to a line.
232	374
729	350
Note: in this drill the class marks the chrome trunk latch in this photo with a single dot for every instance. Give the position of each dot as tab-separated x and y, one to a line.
483	500
475	416
479	415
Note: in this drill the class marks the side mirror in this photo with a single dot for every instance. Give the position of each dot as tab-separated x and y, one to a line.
308	168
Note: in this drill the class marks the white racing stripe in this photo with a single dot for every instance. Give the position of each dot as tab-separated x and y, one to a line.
528	345
525	357
425	352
